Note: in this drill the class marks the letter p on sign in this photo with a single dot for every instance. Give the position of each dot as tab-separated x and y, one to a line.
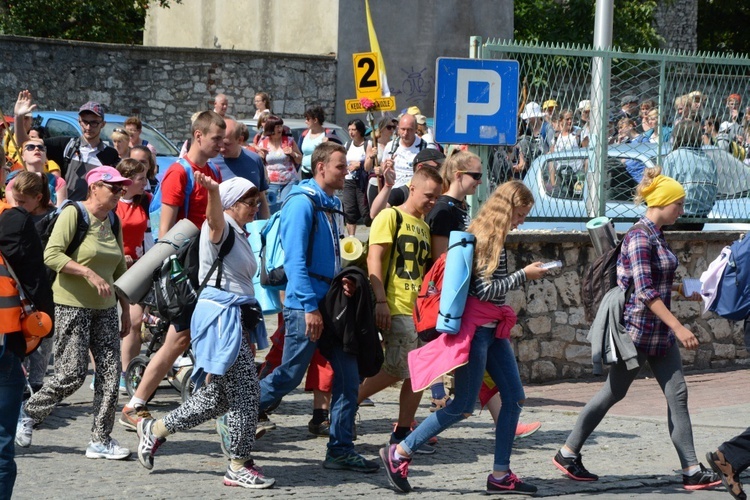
476	101
487	83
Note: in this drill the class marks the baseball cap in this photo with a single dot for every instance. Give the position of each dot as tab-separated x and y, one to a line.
93	107
531	110
429	154
584	105
628	99
413	110
421	120
106	174
549	103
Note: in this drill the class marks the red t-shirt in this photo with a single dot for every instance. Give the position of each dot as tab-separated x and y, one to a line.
133	220
174	185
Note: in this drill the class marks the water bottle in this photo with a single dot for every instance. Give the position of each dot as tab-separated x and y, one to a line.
431	289
175	269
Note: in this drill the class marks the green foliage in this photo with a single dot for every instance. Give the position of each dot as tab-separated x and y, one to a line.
114	21
723	26
572	22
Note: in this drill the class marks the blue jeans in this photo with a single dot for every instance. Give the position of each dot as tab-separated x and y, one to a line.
295	359
496	356
11	394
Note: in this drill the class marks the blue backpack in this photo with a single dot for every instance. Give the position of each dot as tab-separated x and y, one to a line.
154	209
733	294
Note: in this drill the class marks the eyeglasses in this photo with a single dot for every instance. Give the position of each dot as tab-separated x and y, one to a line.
91	124
115	188
252	202
32	147
477	176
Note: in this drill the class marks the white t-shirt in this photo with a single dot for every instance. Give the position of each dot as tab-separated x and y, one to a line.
356	153
566	143
403	158
239	265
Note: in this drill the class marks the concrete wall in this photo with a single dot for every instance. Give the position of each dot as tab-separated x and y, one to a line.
550	337
165	86
290	26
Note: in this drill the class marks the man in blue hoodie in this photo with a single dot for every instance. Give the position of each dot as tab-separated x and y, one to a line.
309	272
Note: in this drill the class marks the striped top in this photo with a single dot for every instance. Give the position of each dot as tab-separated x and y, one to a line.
495	289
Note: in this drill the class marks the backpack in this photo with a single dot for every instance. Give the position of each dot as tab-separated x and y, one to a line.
427	305
154	209
176	294
45	225
600	277
272	274
733	293
397	142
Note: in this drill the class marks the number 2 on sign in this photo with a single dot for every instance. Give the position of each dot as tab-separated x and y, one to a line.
367	81
366	74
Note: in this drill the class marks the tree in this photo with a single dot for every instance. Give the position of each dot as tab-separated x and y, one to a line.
572	22
113	21
724	26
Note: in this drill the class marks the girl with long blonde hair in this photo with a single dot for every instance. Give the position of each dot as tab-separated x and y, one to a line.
486	323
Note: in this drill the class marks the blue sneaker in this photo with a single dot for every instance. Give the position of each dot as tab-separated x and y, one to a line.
123	389
350	461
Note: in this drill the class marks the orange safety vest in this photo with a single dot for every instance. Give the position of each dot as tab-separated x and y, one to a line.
10	302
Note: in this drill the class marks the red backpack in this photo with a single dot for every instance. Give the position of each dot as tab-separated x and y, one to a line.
427	306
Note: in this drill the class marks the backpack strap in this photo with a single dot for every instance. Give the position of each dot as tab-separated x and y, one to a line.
190	183
391	264
224	250
71	149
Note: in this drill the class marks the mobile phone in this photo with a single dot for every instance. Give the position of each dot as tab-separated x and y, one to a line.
552	265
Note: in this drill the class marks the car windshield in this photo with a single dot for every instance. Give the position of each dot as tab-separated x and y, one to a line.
163	146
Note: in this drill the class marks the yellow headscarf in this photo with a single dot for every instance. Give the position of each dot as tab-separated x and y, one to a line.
662	191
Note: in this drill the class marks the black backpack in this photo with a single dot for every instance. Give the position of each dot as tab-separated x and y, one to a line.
45	225
176	294
600	277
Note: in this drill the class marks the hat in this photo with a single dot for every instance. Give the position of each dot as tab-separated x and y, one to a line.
531	110
106	174
584	105
93	107
421	120
413	110
428	154
232	190
724	127
628	99
549	103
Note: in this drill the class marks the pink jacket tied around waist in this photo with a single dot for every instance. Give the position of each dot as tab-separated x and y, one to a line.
448	352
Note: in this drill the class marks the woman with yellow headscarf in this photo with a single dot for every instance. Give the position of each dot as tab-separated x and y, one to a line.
649	264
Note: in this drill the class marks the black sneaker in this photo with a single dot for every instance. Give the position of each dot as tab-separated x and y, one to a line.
351	461
573	468
701	480
510	484
396	470
323	429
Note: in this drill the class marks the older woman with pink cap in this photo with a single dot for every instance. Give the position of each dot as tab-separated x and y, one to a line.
87	264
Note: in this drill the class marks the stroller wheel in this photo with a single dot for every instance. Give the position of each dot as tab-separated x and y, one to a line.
186	385
134	375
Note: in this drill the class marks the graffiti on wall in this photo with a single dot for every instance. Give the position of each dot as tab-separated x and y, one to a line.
416	87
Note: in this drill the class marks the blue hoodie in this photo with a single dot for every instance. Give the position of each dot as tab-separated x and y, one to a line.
302	290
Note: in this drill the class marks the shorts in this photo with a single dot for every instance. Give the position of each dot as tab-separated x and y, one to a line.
399	341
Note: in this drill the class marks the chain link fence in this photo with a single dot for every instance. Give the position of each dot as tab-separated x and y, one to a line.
686	112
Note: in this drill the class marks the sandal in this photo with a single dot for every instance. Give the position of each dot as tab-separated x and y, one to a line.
439	404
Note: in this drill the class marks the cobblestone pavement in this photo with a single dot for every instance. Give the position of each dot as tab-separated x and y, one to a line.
630	450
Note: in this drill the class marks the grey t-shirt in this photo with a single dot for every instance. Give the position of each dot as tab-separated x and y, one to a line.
239	265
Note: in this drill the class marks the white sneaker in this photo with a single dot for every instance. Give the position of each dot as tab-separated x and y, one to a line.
110	451
24	430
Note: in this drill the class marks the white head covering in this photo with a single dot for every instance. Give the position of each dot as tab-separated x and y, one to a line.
233	189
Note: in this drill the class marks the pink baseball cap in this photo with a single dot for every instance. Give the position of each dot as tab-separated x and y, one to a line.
106	174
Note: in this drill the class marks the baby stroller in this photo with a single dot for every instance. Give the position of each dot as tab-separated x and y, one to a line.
153	337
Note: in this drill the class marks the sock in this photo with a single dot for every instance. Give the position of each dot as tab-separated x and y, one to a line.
237	463
320	415
501	478
122	374
399	456
692	470
401	432
567	454
159	429
438	390
136	401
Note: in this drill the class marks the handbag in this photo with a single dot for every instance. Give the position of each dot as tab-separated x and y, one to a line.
35	324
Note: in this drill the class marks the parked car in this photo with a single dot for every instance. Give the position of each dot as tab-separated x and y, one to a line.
65	123
565	208
297	126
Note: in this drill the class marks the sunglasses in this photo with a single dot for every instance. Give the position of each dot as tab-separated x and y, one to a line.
121	131
32	147
115	188
390	127
477	176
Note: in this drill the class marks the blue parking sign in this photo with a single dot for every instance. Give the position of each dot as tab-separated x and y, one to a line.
476	101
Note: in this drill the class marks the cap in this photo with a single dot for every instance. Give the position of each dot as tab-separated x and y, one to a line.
549	103
421	120
724	127
413	110
532	110
106	174
93	107
628	99
584	105
428	154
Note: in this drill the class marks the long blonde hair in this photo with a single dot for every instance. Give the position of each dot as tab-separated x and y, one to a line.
649	174
492	224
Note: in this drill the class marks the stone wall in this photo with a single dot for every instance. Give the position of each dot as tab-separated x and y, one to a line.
165	86
550	337
677	22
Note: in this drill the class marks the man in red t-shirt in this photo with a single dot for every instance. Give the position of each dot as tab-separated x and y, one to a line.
208	138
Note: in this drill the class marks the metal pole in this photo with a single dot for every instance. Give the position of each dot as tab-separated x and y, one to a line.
473	201
600	81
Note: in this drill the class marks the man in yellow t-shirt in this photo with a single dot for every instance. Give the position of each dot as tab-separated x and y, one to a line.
399	248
